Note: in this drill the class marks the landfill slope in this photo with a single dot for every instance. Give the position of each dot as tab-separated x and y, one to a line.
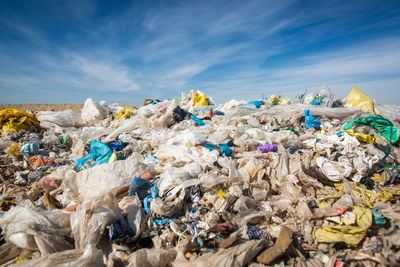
310	181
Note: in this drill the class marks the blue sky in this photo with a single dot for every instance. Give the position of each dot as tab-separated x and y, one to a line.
122	51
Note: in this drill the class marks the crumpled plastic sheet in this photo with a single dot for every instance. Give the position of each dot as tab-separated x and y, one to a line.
89	256
37	230
89	221
12	120
63	119
350	234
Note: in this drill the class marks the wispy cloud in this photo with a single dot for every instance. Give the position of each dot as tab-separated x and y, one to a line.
104	76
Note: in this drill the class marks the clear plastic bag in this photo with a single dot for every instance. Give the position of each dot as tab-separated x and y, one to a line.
66	118
92	111
88	257
152	257
89	222
37	230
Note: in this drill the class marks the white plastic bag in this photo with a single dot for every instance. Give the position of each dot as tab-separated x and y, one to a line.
66	118
88	257
37	230
92	111
102	178
151	257
89	221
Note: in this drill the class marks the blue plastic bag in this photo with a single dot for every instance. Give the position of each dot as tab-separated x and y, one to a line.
117	145
225	149
311	122
258	103
30	148
197	120
317	101
153	195
99	152
139	186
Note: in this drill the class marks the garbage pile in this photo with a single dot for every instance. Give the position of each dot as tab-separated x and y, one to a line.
312	181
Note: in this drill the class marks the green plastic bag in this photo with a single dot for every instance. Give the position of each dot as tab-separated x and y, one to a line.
383	126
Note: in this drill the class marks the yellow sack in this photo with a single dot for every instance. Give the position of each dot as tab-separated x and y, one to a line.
124	113
199	99
359	100
361	137
12	120
350	234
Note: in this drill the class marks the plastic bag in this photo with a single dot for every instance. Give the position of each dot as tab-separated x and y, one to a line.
350	234
41	161
89	222
199	98
357	99
123	114
37	230
92	111
152	257
102	178
239	255
66	118
12	120
333	170
311	122
383	126
88	257
100	153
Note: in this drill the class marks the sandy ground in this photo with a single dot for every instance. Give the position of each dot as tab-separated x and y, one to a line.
54	107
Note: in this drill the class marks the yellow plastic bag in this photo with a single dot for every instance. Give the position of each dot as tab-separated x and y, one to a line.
285	101
124	113
220	193
325	201
274	99
350	234
12	120
13	151
113	157
361	137
359	100
371	197
199	99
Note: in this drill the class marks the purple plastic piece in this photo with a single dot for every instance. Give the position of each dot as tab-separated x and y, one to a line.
268	148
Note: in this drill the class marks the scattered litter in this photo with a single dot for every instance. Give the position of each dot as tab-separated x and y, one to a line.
186	182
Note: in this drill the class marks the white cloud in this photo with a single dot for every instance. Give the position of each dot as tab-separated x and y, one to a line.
104	76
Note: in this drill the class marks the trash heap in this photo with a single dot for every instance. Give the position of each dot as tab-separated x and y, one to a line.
187	182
